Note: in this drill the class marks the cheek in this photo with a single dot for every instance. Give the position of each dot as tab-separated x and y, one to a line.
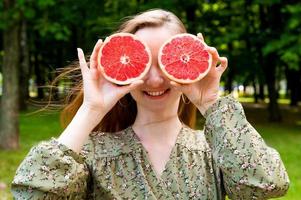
175	93
136	95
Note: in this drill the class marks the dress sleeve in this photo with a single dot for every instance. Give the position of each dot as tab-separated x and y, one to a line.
52	171
249	168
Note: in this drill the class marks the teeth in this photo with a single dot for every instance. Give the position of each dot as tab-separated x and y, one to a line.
155	93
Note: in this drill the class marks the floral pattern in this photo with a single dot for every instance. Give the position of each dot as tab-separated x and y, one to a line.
228	158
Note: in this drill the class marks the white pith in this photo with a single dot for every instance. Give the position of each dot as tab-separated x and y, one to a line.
185	58
157	93
124	59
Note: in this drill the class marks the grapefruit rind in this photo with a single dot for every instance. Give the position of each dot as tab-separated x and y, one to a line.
129	80
182	80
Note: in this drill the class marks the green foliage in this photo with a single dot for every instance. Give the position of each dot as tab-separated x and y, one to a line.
288	45
53	30
223	23
267	2
1	16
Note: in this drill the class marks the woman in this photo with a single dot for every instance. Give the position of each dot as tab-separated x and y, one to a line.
143	145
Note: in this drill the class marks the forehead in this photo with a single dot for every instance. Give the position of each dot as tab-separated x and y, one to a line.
154	36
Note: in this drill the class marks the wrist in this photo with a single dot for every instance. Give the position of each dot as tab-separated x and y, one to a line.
92	114
78	130
205	106
95	110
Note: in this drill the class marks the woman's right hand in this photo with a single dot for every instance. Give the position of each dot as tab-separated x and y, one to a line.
100	95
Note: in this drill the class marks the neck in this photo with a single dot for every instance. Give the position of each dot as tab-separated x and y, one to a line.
157	127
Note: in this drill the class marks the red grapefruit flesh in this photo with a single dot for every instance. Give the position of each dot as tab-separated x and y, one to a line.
184	59
123	58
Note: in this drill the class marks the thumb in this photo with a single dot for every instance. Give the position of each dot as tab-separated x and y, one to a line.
184	88
126	89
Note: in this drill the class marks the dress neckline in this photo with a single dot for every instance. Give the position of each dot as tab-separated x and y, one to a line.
137	142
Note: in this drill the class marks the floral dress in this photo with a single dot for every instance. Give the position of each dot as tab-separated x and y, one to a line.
228	158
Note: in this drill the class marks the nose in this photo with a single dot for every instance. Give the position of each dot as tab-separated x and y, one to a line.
154	77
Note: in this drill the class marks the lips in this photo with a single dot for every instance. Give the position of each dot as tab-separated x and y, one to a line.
156	93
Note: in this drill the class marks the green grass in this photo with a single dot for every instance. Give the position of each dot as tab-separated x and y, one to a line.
286	138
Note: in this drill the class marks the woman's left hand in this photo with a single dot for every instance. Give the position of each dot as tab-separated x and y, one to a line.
205	92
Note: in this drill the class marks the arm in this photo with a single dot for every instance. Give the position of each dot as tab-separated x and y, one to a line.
77	132
250	169
52	171
55	169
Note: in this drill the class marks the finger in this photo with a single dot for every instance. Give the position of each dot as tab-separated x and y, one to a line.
95	74
82	61
200	36
94	55
215	56
126	89
224	64
214	53
175	85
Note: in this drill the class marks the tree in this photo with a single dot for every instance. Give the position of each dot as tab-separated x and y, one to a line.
288	48
24	66
9	123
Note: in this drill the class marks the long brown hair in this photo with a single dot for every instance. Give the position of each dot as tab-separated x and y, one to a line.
123	114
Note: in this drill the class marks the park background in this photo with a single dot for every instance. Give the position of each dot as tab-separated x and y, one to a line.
261	39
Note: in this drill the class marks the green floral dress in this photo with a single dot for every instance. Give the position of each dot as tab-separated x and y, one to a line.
228	158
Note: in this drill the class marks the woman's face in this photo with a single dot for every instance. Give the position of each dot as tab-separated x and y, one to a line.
156	93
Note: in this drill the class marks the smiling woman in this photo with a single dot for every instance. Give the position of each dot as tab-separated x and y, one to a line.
137	141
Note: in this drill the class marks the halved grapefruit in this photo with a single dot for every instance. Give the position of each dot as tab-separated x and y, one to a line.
123	58
184	59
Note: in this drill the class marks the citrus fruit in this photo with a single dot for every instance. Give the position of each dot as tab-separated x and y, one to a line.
184	59
123	58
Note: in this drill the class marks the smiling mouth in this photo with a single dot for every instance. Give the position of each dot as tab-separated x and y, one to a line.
156	93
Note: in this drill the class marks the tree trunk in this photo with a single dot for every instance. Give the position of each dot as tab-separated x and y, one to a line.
274	111
230	71
24	70
270	18
299	95
9	131
39	71
261	94
255	95
294	86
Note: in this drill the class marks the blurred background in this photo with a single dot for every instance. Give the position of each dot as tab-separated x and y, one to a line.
261	39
